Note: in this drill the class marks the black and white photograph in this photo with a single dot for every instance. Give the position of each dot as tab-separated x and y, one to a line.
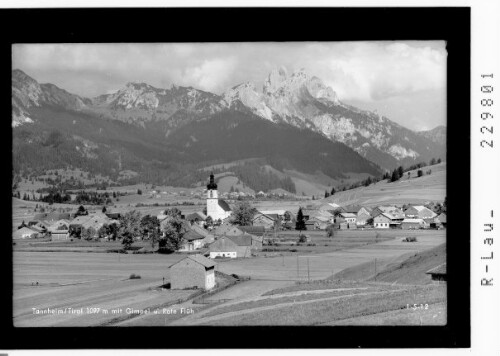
229	184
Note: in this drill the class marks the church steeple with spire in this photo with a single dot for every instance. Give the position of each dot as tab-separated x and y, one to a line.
211	185
216	208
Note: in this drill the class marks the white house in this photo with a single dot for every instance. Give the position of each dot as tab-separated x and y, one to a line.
216	208
382	221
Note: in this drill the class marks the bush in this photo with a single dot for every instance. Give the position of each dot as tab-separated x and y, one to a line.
134	276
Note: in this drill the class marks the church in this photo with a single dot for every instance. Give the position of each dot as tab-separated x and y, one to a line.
216	208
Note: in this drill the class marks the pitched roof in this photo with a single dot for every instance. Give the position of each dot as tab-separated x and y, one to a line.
200	230
192	235
352	208
243	240
224	205
254	230
273	218
442	217
202	260
348	215
197	216
24	230
441	269
223	244
273	212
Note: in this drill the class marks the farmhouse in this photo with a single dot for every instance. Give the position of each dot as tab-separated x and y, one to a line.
25	233
412	224
207	236
216	208
419	212
438	273
195	271
396	213
225	247
382	221
349	218
193	241
235	246
59	230
363	215
264	220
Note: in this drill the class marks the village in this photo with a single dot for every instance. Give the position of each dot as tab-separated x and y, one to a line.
201	253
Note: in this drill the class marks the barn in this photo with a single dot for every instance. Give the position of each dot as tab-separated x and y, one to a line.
195	271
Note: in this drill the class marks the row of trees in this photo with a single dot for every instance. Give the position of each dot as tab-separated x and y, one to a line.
132	227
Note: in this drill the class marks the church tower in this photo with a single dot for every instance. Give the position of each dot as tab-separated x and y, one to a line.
212	198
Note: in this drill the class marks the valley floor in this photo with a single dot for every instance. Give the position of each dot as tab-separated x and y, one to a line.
101	280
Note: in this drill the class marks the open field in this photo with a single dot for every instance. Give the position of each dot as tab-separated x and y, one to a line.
76	280
413	190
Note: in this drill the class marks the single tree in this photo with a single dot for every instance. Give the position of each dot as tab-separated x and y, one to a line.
400	171
432	162
300	224
333	191
243	214
103	209
173	233
420	173
150	226
130	225
127	240
439	160
139	191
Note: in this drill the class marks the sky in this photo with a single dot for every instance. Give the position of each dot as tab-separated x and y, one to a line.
404	81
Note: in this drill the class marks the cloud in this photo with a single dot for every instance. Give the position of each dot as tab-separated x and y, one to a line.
374	73
211	75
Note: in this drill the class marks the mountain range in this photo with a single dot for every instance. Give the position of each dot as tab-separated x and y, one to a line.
295	122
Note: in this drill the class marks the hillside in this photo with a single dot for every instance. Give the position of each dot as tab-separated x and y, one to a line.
167	135
413	269
413	190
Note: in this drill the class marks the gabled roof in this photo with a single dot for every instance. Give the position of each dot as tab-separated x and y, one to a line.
273	212
255	230
442	217
202	260
23	231
265	216
197	216
192	235
441	269
224	205
352	208
223	244
243	240
348	215
200	230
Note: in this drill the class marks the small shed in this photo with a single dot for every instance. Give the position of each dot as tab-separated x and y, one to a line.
195	271
438	273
